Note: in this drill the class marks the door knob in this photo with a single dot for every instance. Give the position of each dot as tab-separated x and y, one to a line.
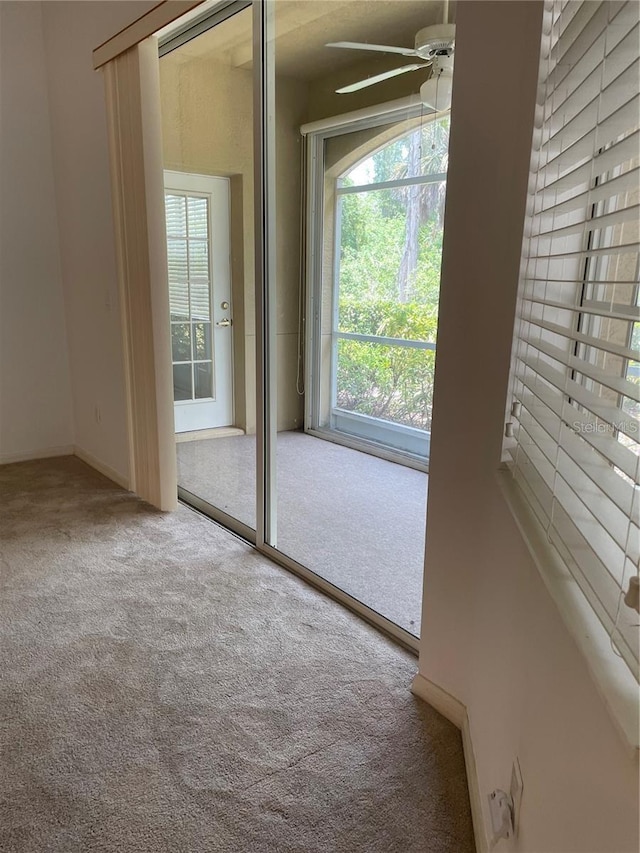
225	322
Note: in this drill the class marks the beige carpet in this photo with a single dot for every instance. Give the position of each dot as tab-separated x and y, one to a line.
354	519
166	688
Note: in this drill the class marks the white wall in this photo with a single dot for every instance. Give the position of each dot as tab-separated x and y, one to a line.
492	637
81	168
35	391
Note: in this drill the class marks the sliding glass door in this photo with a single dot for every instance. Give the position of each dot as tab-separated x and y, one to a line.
208	144
334	235
350	323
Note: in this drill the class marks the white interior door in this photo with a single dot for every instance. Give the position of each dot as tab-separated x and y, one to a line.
198	250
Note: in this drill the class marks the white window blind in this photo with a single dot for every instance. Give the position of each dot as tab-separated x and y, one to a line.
576	368
188	256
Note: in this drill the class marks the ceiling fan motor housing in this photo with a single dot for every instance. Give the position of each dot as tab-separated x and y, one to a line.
435	41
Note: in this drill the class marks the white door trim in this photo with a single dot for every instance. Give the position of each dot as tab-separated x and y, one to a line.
146	25
135	151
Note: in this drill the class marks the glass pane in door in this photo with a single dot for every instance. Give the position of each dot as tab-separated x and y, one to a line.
188	242
355	338
207	117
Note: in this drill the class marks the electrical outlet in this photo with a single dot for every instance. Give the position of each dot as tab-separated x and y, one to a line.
516	794
501	811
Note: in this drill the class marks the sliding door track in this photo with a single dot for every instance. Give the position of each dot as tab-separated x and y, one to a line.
248	535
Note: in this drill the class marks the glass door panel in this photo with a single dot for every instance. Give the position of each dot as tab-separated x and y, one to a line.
333	340
354	354
208	144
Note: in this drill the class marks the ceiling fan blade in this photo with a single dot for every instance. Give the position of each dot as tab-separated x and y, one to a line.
378	78
383	48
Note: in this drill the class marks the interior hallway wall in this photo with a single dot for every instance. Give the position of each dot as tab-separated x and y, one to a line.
492	636
35	386
86	233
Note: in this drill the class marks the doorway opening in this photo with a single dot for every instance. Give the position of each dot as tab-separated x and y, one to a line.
207	128
333	242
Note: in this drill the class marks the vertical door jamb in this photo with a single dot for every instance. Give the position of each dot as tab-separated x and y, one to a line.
265	253
135	149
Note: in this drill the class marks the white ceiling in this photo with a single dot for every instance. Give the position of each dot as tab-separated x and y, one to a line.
303	27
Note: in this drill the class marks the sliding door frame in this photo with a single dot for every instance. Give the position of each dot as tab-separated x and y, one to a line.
132	90
264	158
145	108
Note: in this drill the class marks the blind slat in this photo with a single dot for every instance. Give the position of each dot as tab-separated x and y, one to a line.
565	537
603	377
578	337
596	252
607	412
574	37
568	518
588	102
608	310
594	114
605	220
612	486
586	425
624	118
603	587
600	163
612	518
623	183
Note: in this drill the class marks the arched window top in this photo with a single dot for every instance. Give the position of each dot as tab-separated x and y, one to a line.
422	151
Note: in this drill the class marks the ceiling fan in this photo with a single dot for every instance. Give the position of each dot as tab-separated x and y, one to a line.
434	46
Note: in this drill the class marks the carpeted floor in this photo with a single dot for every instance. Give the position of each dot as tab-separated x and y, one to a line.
355	519
166	688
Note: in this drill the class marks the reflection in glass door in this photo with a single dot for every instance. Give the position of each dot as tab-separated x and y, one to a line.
354	360
334	302
197	216
207	126
387	250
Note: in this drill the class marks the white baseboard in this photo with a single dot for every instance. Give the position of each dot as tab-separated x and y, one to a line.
44	453
201	434
439	699
101	467
456	713
475	796
67	450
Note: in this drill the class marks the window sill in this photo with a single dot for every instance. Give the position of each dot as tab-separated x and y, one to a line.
614	681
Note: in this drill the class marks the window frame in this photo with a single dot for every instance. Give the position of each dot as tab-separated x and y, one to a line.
416	442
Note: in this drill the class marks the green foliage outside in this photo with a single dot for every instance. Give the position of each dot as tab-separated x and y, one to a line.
392	383
371	251
384	292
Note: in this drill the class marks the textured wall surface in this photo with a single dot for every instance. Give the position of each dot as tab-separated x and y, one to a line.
35	387
83	196
492	635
